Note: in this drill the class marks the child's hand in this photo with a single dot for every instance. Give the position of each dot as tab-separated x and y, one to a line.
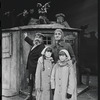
53	90
73	60
28	80
38	90
68	96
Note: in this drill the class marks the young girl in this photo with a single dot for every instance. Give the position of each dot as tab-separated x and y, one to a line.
43	74
63	77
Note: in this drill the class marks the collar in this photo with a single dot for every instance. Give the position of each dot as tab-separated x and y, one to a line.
34	46
50	58
65	63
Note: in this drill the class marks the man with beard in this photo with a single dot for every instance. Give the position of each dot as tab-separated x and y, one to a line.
34	54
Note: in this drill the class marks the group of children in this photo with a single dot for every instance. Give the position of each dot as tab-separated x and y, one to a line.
55	81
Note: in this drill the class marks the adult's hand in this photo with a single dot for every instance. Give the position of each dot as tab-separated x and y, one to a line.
27	75
25	34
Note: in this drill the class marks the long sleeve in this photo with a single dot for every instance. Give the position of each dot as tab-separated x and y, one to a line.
53	77
38	75
71	82
70	50
29	41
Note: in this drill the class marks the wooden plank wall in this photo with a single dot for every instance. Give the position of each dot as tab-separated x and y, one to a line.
10	65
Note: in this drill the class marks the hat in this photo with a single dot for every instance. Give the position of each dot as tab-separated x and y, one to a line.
60	14
39	35
66	52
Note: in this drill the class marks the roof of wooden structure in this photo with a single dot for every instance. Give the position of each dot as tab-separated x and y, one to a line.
41	26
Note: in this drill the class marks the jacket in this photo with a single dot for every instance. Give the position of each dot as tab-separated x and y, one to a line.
33	55
63	81
42	78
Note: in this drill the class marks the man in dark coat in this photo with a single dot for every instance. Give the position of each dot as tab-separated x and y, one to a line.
34	54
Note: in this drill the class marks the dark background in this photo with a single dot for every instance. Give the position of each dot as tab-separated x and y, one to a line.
78	13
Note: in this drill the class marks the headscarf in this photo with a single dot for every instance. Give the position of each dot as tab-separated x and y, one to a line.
43	54
62	35
44	50
66	52
67	62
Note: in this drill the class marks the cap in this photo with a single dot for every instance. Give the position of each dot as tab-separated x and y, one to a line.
39	35
60	14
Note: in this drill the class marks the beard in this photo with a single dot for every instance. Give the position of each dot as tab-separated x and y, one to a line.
37	41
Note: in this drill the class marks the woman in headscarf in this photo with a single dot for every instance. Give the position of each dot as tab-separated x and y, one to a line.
59	44
63	78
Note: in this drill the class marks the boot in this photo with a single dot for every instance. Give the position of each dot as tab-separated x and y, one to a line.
29	96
